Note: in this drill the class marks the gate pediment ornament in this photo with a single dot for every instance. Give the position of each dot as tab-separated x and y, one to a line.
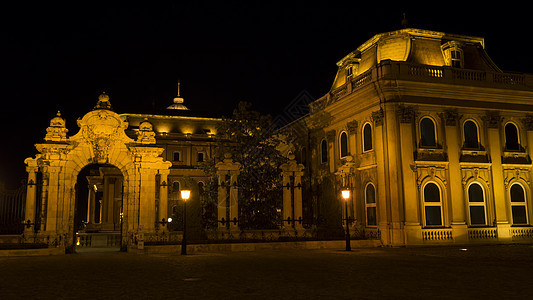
101	129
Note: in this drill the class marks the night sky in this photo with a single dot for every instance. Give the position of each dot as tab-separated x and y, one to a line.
61	57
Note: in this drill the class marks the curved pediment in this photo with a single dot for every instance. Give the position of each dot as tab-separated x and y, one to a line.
102	123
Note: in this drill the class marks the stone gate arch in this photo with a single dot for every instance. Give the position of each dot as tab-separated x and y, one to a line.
101	139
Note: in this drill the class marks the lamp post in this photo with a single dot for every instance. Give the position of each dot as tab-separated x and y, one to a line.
185	194
346	196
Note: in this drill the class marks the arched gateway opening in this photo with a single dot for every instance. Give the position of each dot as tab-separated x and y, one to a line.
96	181
98	210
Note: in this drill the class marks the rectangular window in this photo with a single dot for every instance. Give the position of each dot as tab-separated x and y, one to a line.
433	216
477	215
371	215
176	156
519	215
200	157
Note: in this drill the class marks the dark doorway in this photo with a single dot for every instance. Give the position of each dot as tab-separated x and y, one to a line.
98	209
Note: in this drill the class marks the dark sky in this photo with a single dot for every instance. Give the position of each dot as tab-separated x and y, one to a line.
58	56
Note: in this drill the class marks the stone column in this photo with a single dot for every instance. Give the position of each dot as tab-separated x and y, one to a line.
457	201
228	167
346	173
406	116
493	122
147	208
31	194
381	193
292	169
332	153
393	179
52	203
91	205
163	197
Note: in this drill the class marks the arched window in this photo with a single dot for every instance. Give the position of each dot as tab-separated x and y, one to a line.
518	204
470	133
367	137
370	204
175	186
343	144
512	141
432	205
324	151
476	204
427	133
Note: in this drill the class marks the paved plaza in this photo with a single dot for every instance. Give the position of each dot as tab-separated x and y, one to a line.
477	272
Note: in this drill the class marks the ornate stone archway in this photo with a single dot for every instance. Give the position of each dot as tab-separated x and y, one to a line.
100	140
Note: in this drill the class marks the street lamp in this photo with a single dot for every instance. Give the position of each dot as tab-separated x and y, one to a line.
346	196
185	194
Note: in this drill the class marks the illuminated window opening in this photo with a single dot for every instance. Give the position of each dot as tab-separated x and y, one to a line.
518	204
343	144
176	156
370	205
432	205
512	140
471	136
324	152
200	157
367	137
476	205
428	133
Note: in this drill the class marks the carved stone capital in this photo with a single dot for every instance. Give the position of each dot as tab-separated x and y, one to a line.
528	122
377	117
450	117
352	127
406	113
330	136
492	119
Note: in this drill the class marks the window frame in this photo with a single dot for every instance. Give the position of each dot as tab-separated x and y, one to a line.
514	204
477	204
198	156
434	132
433	204
517	136
340	145
371	137
174	156
322	160
371	205
477	135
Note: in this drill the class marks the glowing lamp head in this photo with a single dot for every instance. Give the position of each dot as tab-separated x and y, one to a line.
169	220
185	194
345	194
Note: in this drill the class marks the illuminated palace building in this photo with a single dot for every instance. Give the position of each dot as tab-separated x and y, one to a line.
133	165
432	137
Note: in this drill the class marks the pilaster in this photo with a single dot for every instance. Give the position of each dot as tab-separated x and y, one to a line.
412	227
493	122
456	198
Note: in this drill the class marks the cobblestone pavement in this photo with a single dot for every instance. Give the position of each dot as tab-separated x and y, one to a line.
480	272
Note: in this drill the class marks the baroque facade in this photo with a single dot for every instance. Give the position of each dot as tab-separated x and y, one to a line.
134	165
434	140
